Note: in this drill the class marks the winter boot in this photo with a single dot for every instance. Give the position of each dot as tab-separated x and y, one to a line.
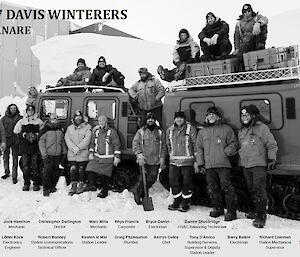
216	212
180	71
46	192
250	215
80	187
5	176
15	181
260	220
36	187
137	196
161	73
105	185
26	188
53	189
103	193
175	205
73	188
185	205
230	215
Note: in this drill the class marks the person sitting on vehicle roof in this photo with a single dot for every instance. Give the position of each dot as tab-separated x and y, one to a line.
106	75
185	51
250	31
80	76
214	38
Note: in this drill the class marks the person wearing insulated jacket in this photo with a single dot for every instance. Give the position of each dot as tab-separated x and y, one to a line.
214	38
78	138
149	146
216	142
185	51
257	152
80	76
181	144
10	119
52	148
148	92
106	75
250	31
104	153
27	130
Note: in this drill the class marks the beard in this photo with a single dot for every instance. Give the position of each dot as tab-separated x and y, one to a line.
151	126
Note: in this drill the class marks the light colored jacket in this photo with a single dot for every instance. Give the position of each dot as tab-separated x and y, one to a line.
180	50
181	143
214	146
151	144
149	93
78	136
256	145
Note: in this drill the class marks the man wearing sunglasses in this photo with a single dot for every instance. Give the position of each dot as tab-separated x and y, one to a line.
250	31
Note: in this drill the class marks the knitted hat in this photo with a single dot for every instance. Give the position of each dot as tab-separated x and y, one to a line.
102	59
81	60
150	115
210	14
248	109
247	7
78	113
143	70
179	114
214	110
183	31
30	107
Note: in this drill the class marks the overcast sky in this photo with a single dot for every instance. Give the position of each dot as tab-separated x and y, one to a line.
160	20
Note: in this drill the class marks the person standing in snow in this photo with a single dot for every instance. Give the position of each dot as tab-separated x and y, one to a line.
181	143
257	151
185	51
53	149
78	138
80	76
106	75
10	119
148	92
28	129
149	146
215	143
250	31
104	153
214	38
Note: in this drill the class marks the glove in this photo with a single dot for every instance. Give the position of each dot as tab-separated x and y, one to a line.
213	40
207	41
202	170
271	164
162	163
91	156
196	168
75	149
235	52
116	161
44	157
256	28
141	159
104	78
2	147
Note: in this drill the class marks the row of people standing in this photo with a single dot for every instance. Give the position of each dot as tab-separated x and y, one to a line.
208	152
250	34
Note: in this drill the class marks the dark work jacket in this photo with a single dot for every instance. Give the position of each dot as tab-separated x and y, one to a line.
219	27
98	73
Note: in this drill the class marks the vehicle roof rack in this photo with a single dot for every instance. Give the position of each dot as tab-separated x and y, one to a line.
241	78
85	88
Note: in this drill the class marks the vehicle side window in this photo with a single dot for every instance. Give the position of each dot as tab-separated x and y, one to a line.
263	105
198	111
57	106
96	108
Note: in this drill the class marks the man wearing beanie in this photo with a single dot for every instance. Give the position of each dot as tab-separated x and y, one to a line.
250	31
181	144
257	152
214	39
148	92
185	51
80	76
28	129
216	142
149	146
106	75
